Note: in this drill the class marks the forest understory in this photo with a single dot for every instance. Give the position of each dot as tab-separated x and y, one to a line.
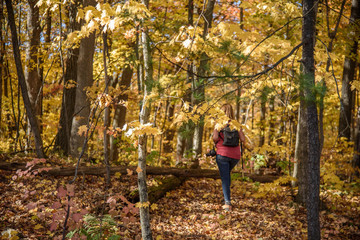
34	208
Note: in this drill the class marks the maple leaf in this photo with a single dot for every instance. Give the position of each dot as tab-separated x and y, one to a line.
77	217
56	205
61	192
82	130
129	172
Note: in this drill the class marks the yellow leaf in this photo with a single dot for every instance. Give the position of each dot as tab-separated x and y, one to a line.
117	175
82	130
38	226
154	206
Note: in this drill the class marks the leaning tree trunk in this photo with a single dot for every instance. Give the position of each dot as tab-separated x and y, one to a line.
349	73
21	77
144	118
199	86
313	145
301	153
69	81
84	79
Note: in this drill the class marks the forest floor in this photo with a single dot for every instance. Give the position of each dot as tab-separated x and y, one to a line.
34	208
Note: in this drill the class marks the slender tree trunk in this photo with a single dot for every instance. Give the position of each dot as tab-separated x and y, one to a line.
21	77
169	133
199	87
182	137
263	100
144	118
106	111
313	145
120	113
272	119
69	92
84	79
345	117
301	153
2	52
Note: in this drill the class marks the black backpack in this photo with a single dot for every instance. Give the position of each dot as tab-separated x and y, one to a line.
231	137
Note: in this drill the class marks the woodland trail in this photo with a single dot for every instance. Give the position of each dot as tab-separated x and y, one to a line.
192	211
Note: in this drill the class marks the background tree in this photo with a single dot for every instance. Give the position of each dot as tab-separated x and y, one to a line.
69	81
84	80
347	106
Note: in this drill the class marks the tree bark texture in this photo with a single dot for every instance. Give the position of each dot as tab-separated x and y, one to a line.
69	92
346	108
263	100
199	85
156	192
272	119
301	153
169	133
313	173
144	118
356	158
32	78
120	113
84	80
21	78
2	52
101	170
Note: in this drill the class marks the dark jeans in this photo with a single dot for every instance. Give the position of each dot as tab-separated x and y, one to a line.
225	165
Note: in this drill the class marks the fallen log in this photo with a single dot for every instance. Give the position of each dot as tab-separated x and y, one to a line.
124	170
156	192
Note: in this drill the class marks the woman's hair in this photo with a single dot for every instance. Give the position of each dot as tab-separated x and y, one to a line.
228	110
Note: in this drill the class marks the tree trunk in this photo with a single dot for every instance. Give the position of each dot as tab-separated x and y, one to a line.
32	78
120	113
169	133
355	14
345	117
21	78
2	52
301	153
183	138
356	158
263	100
313	145
198	86
84	79
144	119
107	110
272	119
69	82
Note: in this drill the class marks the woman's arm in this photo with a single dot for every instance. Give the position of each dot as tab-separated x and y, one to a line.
215	136
242	136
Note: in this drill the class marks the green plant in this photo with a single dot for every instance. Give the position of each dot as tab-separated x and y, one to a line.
259	161
95	228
